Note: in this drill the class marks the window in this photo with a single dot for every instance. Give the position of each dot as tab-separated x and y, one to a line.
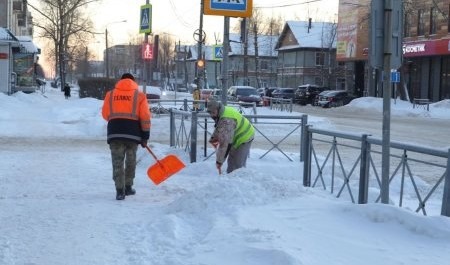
406	31
448	19
420	23
318	80
433	20
340	83
320	59
264	65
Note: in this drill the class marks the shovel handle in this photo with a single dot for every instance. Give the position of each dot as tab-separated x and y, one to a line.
151	152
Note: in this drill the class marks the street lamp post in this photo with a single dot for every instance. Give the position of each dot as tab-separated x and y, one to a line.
106	48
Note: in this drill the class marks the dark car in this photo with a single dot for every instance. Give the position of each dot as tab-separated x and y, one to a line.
285	93
305	94
245	94
335	98
316	99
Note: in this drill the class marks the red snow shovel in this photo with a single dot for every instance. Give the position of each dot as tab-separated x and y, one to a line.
163	168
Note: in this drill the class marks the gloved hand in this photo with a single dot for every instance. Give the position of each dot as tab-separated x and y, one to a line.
214	143
144	143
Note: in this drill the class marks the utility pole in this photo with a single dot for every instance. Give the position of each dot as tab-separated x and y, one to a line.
106	53
226	45
386	53
244	39
200	72
146	62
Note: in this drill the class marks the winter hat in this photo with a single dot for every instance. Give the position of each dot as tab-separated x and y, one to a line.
127	76
213	105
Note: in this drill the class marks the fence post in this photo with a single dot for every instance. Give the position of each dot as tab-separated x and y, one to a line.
445	210
185	105
307	158
364	170
193	153
304	122
172	127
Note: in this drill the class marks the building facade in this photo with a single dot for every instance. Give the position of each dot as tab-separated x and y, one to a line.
352	50
306	55
18	55
425	70
426	49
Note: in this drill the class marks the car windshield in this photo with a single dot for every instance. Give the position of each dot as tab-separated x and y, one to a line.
247	92
286	90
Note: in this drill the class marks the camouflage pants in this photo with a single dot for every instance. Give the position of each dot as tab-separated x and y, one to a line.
123	155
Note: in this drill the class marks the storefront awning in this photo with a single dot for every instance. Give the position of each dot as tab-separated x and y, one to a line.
6	36
27	45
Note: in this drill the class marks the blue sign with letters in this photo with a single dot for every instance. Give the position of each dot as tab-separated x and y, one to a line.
236	5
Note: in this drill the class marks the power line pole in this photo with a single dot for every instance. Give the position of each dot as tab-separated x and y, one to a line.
226	45
200	71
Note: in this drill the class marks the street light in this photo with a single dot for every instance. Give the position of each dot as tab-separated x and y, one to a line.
106	42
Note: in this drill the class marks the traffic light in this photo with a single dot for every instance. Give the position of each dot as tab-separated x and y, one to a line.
201	64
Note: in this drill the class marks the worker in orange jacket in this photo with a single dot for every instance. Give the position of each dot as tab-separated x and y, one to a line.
127	111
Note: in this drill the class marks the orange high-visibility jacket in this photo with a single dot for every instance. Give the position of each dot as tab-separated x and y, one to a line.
127	112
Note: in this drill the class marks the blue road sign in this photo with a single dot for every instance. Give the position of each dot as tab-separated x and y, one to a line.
145	24
236	5
395	77
218	52
230	8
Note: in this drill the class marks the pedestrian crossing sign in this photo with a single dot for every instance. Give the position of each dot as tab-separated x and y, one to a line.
217	52
145	24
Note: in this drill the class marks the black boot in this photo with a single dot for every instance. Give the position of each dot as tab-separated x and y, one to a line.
129	190
120	194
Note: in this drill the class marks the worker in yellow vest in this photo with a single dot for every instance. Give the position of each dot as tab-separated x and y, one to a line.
232	137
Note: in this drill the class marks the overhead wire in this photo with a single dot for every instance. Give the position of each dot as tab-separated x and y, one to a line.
288	5
178	17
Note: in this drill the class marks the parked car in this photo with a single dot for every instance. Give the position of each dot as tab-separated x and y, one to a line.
246	94
335	98
305	94
217	94
261	91
205	94
153	92
285	93
316	99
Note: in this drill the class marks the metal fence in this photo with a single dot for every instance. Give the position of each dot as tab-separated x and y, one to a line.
349	164
346	164
186	132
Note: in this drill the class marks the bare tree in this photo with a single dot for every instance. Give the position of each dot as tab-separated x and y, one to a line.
62	22
261	25
166	54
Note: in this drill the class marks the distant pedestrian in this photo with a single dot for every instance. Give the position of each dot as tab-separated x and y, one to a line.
233	136
127	112
196	97
67	91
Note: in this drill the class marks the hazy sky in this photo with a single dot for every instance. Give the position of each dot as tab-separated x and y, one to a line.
180	18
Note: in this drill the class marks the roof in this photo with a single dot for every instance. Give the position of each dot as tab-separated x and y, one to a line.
266	45
319	35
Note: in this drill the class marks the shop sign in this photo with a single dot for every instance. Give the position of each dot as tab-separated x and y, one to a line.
3	56
426	48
